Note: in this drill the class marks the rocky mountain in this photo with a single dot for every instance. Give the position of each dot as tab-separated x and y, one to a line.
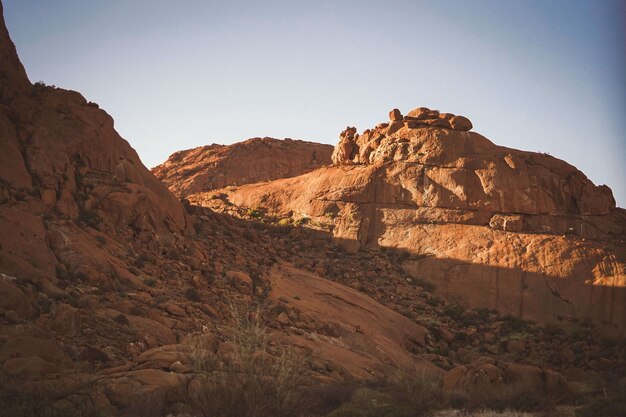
523	233
254	160
118	299
113	293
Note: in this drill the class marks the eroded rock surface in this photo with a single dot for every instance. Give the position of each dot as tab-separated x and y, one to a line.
254	160
106	278
521	232
111	289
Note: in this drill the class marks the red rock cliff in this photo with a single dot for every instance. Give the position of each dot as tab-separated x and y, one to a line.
521	232
254	160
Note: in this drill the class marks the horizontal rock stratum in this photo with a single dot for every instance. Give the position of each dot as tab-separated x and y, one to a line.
521	232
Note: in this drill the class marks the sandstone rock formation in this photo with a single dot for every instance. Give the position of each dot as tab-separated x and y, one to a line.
378	337
105	276
521	232
254	160
354	148
111	289
62	159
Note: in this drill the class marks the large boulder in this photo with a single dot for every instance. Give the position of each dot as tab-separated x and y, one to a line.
488	377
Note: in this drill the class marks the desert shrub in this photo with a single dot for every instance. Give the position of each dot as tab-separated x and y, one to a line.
174	254
161	299
605	407
192	294
301	221
553	329
421	391
150	282
368	402
485	313
427	286
284	222
492	413
255	380
89	218
121	319
41	403
322	399
76	302
44	304
147	404
141	260
433	302
522	400
613	406
137	311
514	324
502	398
454	311
255	212
410	394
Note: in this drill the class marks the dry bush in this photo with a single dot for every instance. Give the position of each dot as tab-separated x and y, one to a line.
322	399
254	380
41	403
485	413
419	390
501	399
147	404
409	394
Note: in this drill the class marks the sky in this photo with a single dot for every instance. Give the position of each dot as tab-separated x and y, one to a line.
545	75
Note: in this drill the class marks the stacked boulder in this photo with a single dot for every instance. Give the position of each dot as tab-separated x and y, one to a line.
355	148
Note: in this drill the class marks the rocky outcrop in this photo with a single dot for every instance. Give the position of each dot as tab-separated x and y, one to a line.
112	292
459	170
521	232
355	148
488	378
63	166
254	160
376	336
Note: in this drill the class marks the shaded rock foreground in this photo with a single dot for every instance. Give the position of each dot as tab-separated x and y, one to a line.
521	232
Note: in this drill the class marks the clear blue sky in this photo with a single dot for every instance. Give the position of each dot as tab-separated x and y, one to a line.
543	75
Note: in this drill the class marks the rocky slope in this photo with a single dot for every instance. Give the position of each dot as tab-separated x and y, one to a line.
115	297
520	232
254	160
110	288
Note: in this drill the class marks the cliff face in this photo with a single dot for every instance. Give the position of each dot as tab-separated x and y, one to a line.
520	232
254	160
